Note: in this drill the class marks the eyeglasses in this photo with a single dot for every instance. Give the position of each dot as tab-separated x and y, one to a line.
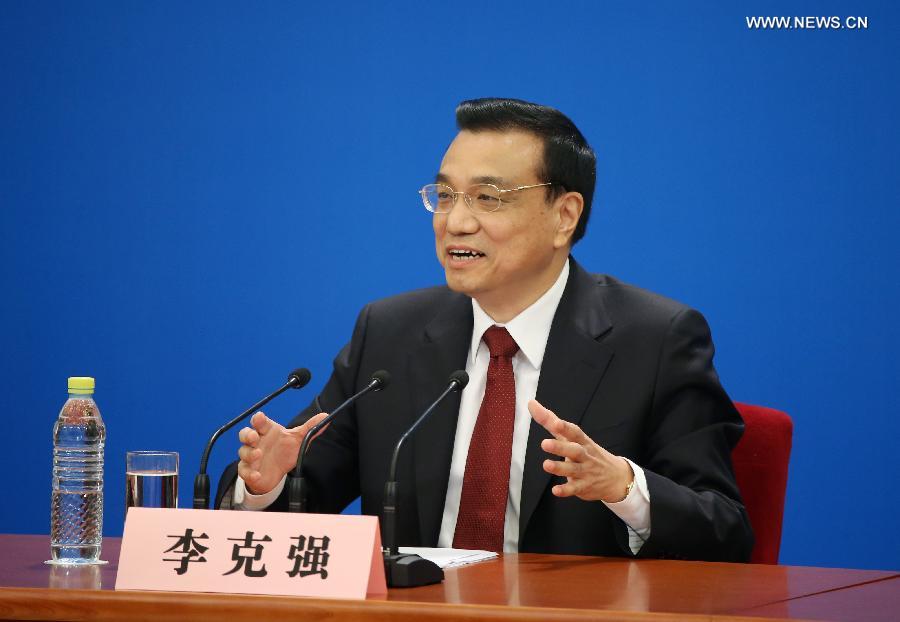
480	198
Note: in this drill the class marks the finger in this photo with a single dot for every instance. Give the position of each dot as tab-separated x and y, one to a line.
301	430
563	468
249	454
261	423
247	474
320	432
569	489
559	428
544	416
571	432
248	436
565	449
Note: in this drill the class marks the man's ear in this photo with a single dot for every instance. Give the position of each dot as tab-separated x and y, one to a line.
569	206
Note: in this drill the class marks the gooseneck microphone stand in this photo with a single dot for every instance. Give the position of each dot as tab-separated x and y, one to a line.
410	570
297	379
296	483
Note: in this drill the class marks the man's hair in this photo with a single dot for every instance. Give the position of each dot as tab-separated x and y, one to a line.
568	162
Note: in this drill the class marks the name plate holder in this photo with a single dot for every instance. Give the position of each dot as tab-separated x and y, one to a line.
232	552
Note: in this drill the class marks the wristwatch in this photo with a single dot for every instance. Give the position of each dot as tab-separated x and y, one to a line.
628	488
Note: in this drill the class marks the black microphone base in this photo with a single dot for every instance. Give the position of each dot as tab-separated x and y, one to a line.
411	571
201	492
296	494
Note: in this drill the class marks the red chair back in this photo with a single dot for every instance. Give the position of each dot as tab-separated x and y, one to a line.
760	466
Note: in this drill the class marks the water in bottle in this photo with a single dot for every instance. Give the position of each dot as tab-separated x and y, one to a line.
76	507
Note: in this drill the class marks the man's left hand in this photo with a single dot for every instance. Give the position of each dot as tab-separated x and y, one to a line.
591	472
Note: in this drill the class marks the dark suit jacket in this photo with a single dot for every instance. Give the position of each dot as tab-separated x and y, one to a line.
632	368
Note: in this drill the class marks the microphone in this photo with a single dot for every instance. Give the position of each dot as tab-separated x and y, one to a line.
297	379
410	570
296	483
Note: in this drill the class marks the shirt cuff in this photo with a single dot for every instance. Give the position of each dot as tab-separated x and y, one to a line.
246	500
634	510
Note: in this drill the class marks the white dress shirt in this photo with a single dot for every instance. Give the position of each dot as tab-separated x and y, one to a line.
530	329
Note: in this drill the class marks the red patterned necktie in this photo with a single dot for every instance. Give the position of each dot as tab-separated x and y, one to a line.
482	507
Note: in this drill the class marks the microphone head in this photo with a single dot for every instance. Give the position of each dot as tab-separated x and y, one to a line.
461	378
382	377
299	378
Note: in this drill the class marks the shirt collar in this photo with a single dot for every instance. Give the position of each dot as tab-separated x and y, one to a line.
530	328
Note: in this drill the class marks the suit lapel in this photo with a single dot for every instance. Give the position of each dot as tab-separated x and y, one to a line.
573	365
445	344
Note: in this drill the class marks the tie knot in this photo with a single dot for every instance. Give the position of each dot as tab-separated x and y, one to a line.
500	343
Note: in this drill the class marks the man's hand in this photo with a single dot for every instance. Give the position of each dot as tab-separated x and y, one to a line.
269	451
591	472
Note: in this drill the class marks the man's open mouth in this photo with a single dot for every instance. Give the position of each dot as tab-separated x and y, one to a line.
464	255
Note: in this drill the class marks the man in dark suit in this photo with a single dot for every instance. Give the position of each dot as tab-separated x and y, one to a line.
594	422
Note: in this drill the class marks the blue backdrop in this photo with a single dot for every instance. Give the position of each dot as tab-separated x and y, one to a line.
196	198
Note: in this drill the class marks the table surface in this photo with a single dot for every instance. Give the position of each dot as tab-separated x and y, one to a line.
513	587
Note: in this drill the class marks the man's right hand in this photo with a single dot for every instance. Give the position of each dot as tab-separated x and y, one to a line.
269	451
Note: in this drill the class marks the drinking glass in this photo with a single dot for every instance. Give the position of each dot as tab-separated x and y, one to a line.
151	479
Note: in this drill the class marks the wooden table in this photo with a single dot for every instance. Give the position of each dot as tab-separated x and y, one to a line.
514	587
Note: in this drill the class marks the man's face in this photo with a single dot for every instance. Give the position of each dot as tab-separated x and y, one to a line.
511	251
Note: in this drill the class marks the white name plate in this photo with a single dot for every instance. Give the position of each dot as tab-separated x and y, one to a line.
321	555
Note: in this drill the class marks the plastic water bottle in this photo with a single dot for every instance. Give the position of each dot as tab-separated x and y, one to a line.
76	506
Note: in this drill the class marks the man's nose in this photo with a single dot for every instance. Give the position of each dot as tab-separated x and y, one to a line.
460	218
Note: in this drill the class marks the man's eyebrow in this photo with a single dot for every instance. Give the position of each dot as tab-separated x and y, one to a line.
483	179
489	179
